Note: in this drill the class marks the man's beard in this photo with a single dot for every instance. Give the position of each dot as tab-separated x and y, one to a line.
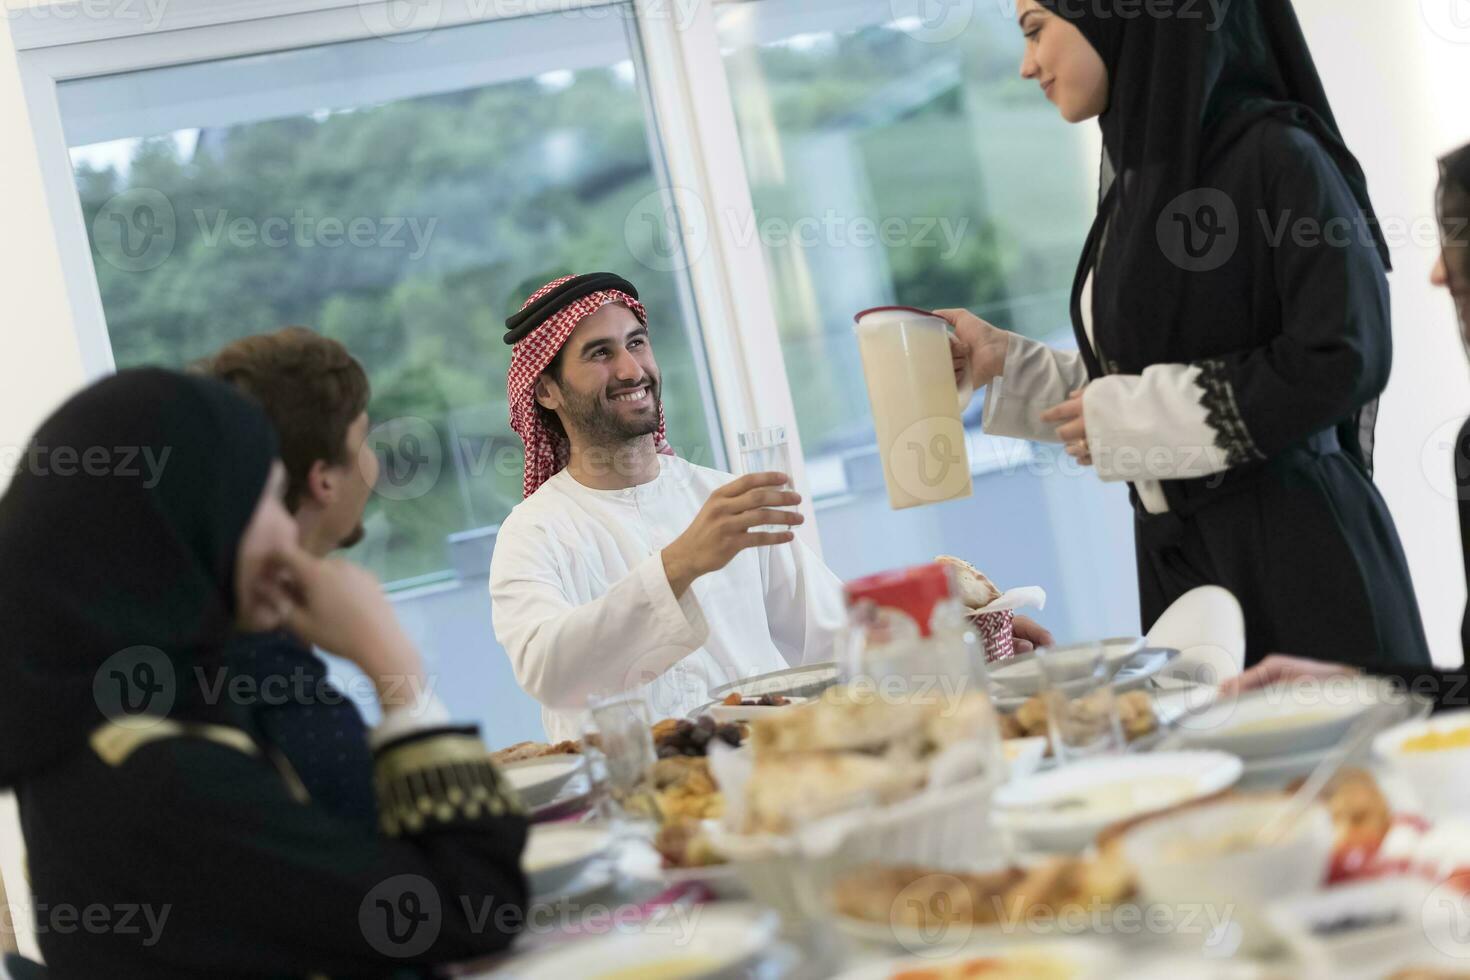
599	422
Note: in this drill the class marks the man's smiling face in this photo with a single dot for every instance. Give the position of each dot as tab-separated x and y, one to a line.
605	387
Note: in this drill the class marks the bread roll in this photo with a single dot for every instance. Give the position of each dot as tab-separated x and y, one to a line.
976	591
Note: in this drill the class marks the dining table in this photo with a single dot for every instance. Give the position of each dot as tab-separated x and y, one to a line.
623	896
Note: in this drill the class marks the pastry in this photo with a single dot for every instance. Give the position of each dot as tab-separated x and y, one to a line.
521	751
786	790
976	591
921	898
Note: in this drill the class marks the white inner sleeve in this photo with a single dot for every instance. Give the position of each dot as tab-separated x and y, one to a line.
1150	427
1147	428
1036	377
426	712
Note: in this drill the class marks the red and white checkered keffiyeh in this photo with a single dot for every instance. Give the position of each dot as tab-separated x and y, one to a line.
546	451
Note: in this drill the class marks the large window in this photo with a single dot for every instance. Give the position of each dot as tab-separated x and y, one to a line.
402	198
240	169
895	156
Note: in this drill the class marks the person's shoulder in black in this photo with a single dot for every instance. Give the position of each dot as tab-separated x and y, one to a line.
211	861
285	689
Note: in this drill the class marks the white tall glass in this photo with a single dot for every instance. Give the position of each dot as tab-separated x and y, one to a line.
767	451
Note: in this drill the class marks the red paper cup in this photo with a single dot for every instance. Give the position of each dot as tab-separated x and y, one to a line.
998	632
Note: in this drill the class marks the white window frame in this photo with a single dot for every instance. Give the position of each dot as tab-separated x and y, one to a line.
691	113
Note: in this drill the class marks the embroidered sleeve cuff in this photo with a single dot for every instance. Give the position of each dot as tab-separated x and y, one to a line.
1150	426
439	776
1222	414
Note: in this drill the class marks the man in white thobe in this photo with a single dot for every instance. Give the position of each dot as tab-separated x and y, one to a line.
626	568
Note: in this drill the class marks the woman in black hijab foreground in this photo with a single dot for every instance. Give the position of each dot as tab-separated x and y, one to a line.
1232	319
1448	689
144	525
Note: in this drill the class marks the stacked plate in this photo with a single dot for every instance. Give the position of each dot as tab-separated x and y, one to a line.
1282	732
1017	679
1064	810
725	941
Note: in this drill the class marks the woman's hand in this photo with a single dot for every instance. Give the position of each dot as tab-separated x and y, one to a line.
1279	669
1029	634
342	609
978	349
1071	427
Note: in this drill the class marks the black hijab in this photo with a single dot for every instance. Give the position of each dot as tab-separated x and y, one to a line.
1182	88
119	530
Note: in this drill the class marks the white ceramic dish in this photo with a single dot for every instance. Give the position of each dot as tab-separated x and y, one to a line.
1437	776
641	862
806	681
1273	722
1276	772
538	781
1024	755
1145	665
1026	807
576	794
713	941
557	853
1390	917
1204	859
1086	960
726	713
1208	628
943	939
1022	674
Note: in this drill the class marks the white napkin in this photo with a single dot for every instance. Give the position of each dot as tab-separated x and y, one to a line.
731	769
1012	599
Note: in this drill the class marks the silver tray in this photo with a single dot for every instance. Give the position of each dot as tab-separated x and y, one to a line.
806	681
1135	673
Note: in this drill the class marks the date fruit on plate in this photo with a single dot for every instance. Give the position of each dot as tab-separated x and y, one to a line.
676	737
734	700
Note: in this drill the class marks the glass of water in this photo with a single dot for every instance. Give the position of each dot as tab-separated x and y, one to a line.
1081	709
766	451
625	738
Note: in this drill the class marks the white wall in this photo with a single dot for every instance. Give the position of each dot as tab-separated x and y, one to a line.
39	360
1398	89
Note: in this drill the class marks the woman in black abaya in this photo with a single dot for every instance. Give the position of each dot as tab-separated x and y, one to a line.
1448	689
144	524
1231	313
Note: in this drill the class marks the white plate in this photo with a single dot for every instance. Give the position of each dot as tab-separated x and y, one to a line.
640	861
1147	664
539	780
725	713
1022	674
1020	806
575	794
1088	960
1024	755
712	941
946	938
556	853
807	681
1272	722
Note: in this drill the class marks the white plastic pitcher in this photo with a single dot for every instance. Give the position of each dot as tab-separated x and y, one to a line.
916	405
